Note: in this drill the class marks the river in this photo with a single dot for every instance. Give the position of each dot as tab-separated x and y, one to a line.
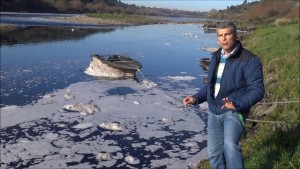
42	74
39	59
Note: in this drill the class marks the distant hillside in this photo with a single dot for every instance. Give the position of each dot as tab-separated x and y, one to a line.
260	11
58	6
88	6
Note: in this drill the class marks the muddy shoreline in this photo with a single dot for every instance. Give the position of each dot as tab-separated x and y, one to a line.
4	27
8	27
82	19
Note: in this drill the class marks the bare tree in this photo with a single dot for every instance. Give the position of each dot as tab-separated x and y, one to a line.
76	5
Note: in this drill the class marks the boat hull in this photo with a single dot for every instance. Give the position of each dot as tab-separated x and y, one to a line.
115	66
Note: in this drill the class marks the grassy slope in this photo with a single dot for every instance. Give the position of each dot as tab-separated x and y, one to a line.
278	48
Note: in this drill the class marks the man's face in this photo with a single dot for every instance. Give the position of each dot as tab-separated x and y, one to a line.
226	39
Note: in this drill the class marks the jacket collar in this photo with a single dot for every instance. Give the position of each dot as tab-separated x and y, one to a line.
234	54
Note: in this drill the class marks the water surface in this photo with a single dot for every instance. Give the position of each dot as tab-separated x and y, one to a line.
38	60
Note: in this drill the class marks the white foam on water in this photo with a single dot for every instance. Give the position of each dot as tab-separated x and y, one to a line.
166	120
136	102
83	126
104	156
158	125
82	108
132	160
187	78
149	83
111	126
52	136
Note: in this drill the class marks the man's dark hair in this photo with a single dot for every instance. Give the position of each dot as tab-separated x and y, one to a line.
227	24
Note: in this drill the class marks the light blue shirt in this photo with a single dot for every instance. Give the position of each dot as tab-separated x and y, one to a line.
220	71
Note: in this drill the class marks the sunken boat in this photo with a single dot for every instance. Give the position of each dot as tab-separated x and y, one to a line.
113	66
204	63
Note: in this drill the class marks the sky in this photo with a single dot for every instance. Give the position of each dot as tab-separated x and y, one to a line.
197	5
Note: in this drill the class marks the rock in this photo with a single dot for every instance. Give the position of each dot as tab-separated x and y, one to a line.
263	110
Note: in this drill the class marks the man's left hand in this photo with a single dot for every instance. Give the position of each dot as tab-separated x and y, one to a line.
228	104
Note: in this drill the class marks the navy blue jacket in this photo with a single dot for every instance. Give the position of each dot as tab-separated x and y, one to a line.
242	82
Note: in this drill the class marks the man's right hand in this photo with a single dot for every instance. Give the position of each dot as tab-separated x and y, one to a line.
189	100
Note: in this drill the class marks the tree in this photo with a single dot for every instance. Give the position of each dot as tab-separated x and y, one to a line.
76	5
213	13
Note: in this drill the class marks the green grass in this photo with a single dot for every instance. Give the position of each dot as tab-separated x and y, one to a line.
276	145
269	149
278	49
271	145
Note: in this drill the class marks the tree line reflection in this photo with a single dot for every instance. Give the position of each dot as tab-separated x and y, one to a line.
38	34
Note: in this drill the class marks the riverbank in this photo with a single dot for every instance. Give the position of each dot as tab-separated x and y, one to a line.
88	20
8	27
109	19
94	19
277	141
273	129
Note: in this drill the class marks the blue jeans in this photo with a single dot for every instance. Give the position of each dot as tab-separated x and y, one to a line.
224	133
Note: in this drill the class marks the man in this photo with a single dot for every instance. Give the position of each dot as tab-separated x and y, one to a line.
234	85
